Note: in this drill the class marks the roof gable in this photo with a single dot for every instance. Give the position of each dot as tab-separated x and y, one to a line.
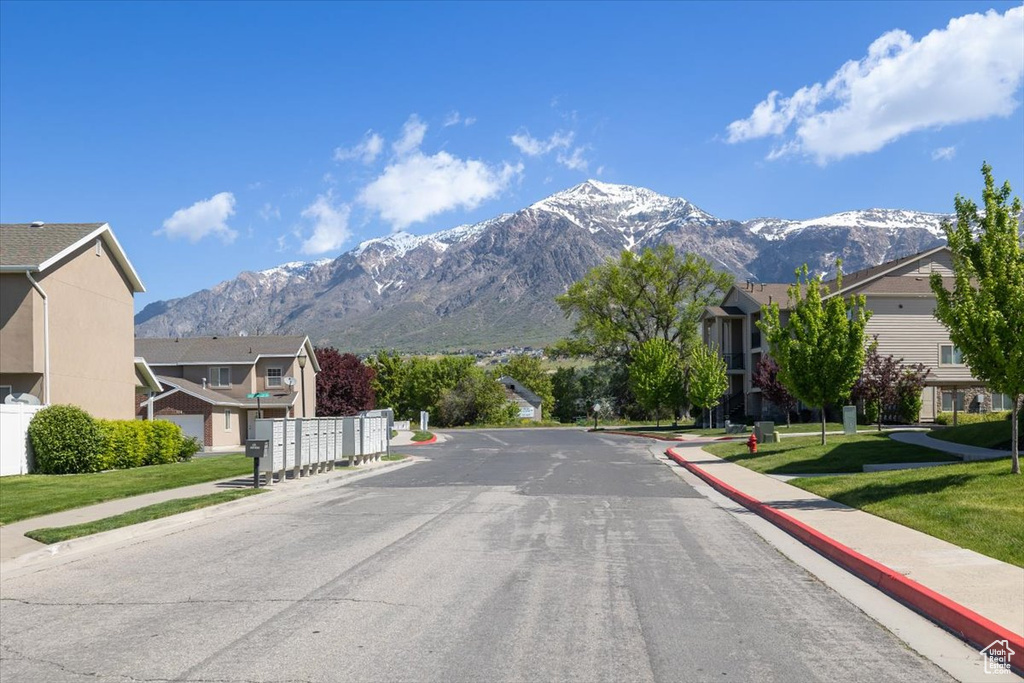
231	350
25	247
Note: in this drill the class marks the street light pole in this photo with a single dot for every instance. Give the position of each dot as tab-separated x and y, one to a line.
302	369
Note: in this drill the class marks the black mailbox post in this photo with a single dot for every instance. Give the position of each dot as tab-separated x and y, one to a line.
255	449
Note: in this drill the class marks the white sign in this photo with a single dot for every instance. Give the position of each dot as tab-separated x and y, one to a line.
997	657
526	411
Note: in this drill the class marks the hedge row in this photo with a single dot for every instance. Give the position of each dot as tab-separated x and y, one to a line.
67	440
972	418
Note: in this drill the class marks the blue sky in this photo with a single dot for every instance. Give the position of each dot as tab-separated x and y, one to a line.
217	138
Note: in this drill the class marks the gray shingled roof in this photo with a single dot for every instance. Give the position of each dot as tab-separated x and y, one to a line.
521	390
175	350
217	398
23	245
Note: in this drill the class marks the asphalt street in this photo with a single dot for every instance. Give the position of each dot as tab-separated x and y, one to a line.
511	555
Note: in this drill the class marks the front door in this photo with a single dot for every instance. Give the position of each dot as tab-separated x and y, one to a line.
251	422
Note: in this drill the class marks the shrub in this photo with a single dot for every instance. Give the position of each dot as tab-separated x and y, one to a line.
190	445
165	443
66	440
972	418
908	406
127	443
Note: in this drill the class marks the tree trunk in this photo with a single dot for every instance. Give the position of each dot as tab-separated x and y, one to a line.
789	422
1014	437
823	440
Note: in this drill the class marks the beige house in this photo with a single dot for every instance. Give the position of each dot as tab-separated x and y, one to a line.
899	296
66	318
209	382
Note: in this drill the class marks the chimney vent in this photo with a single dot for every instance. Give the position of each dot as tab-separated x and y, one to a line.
38	224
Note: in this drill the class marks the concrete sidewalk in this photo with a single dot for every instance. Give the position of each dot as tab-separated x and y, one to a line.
404	438
993	589
13	542
968	453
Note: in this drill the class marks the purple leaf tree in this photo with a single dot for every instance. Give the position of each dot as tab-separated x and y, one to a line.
766	378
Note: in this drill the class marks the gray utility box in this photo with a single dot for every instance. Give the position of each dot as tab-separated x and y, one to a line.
256	448
765	432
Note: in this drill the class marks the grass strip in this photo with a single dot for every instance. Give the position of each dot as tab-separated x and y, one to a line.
145	514
422	436
394	457
32	495
806	455
984	434
975	505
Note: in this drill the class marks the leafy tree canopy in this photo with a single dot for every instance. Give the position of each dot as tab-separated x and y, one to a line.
656	376
985	309
653	295
820	348
344	386
766	378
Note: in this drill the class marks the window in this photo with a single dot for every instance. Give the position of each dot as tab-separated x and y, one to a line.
227	419
999	402
950	355
220	377
947	401
5	391
273	377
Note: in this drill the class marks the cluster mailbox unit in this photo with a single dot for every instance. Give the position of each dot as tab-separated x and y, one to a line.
311	445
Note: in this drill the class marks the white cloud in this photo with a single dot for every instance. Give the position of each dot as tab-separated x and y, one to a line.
367	151
454	118
944	154
205	217
330	225
969	71
416	187
535	147
412	136
575	160
268	211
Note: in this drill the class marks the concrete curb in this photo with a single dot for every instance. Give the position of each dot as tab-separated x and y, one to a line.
170	523
952	616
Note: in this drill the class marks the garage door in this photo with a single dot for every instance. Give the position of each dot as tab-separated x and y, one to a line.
191	425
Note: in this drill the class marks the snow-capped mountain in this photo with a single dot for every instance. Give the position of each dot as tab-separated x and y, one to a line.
493	283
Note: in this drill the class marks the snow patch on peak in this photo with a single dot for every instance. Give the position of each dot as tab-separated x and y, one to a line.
292	269
875	219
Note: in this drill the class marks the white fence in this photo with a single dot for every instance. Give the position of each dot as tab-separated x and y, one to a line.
311	445
15	451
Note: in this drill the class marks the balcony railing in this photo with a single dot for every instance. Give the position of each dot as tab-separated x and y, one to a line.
733	361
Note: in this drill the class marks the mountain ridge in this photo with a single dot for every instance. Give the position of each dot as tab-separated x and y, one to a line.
493	283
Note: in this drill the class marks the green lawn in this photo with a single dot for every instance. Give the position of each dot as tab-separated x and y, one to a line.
145	514
806	455
976	505
394	457
422	436
984	434
32	495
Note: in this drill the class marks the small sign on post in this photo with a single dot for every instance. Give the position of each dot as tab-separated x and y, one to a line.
258	395
424	420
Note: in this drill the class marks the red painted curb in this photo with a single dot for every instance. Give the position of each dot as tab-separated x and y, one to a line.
954	617
432	439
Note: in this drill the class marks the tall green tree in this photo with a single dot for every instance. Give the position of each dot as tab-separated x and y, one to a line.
529	370
652	295
708	380
820	348
426	380
389	375
985	309
656	376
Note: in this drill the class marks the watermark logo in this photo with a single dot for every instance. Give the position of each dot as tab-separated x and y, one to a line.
997	657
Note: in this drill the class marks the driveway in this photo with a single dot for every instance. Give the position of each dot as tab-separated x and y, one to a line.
511	555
